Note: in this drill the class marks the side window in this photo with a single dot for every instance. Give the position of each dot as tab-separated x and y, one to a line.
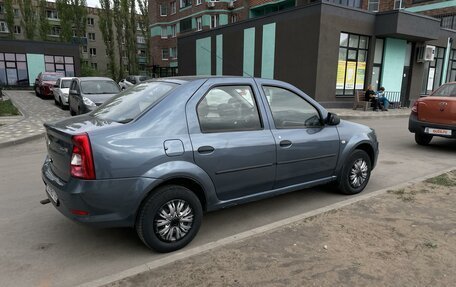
289	110
58	83
228	109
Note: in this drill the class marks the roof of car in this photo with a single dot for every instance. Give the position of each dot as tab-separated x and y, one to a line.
66	78
94	79
184	79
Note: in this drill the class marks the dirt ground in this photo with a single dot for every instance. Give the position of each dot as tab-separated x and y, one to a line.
405	237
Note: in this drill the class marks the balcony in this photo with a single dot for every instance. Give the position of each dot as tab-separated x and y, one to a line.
447	21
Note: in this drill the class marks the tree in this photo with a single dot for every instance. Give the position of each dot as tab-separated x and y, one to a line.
144	23
65	11
79	17
106	24
130	35
45	27
119	24
28	18
9	17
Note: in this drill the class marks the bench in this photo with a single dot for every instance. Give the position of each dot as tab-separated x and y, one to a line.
359	101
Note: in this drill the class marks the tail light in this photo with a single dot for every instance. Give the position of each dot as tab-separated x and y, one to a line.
81	159
415	108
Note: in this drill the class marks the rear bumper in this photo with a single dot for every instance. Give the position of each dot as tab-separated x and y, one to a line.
110	203
417	126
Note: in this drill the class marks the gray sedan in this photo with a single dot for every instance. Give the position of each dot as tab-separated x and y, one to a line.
158	155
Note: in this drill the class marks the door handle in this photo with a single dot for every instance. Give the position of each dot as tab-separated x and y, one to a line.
285	143
205	149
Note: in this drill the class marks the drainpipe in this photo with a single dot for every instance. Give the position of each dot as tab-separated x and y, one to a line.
443	79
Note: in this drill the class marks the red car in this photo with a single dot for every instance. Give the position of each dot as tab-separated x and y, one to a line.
44	83
434	115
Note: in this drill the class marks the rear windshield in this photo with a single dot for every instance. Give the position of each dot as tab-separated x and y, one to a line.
99	87
47	77
130	103
448	90
66	83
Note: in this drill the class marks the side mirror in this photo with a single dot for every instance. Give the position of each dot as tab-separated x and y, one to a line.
332	119
73	92
56	86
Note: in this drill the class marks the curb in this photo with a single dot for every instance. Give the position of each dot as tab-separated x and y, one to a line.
246	234
22	140
373	117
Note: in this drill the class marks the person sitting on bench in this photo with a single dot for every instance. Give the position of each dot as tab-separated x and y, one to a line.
382	100
371	96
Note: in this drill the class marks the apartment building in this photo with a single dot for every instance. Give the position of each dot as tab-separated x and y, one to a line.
331	50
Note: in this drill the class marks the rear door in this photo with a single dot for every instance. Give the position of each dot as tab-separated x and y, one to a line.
307	149
231	139
440	107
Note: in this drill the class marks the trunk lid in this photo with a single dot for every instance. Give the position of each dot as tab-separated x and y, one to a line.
439	110
59	140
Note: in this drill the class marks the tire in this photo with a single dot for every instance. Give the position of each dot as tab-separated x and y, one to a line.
423	139
72	112
62	106
155	205
356	173
57	103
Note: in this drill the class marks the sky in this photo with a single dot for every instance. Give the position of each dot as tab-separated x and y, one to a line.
93	3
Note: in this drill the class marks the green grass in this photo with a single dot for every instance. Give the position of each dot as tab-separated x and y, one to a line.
443	180
8	109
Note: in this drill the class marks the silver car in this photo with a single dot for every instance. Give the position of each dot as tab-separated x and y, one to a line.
61	90
87	93
159	154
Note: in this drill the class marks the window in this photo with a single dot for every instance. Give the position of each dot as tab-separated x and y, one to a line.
185	3
199	23
214	21
2	9
452	67
62	64
13	70
94	66
3	27
173	52
52	14
228	109
373	5
90	21
234	18
84	49
349	3
140	39
93	51
399	4
17	30
378	63
198	2
141	52
433	72
185	25
92	36
173	30
163	9
447	21
448	90
165	54
289	110
55	31
17	12
351	68
164	32
173	7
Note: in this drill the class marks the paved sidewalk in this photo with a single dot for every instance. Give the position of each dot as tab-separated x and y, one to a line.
37	111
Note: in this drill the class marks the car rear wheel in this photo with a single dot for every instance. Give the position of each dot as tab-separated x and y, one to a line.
355	173
169	218
422	139
57	103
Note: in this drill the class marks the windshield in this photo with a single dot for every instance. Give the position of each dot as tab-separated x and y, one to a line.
129	104
65	84
99	87
51	77
448	90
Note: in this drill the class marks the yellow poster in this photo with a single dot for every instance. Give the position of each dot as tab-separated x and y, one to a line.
360	75
340	75
350	75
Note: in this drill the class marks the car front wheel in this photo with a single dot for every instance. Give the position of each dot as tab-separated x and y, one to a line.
169	219
422	139
355	173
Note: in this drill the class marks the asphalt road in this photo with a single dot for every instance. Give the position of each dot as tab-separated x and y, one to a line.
40	247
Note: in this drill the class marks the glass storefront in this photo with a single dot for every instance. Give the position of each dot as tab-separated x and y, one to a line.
13	70
62	64
351	68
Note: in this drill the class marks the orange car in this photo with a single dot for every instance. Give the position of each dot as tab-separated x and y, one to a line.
434	115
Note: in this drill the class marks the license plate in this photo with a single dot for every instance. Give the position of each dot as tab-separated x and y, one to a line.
52	193
437	131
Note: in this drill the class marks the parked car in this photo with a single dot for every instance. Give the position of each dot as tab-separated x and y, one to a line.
157	155
434	115
130	81
61	90
86	93
44	83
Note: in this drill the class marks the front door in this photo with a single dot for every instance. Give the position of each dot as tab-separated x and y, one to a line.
230	139
307	149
